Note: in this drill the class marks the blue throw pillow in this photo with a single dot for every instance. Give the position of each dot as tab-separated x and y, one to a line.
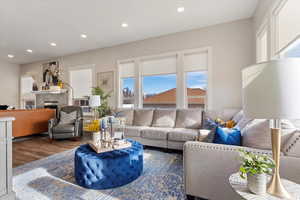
227	136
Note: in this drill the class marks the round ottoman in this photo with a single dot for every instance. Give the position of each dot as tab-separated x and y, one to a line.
110	169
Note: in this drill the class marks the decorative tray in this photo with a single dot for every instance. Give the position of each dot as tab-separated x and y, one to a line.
99	149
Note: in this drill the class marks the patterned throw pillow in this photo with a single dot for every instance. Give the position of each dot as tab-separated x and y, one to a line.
68	118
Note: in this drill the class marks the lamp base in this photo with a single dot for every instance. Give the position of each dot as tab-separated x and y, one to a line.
275	187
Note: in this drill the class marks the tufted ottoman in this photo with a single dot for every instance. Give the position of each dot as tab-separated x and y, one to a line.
110	169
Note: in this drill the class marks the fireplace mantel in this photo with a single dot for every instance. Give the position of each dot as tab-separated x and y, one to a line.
61	91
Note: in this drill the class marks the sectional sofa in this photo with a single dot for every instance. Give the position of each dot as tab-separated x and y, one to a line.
208	166
166	128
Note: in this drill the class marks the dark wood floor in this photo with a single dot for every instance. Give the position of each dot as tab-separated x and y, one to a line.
39	147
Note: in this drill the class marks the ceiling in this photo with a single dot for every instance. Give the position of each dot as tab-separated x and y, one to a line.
33	24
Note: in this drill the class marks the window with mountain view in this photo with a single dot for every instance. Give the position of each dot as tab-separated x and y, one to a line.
128	92
159	91
196	84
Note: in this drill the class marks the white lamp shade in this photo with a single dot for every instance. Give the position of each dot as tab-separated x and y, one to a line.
271	90
95	101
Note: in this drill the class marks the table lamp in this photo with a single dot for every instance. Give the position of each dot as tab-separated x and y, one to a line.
271	90
94	102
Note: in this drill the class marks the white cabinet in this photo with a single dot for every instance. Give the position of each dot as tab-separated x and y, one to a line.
6	192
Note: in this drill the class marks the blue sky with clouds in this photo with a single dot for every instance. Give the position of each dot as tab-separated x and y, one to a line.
160	83
294	52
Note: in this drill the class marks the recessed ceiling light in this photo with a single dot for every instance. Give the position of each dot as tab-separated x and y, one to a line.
53	44
83	36
10	56
180	9
29	50
124	25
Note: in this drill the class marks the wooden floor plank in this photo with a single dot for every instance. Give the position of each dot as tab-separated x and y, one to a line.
38	147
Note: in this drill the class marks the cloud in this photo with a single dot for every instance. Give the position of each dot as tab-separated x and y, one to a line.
202	86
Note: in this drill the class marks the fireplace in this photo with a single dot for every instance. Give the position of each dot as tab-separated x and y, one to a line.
51	99
52	105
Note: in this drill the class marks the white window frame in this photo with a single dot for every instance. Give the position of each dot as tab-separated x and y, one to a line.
264	29
275	50
81	67
180	78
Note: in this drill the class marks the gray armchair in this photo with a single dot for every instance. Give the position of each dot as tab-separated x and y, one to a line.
68	124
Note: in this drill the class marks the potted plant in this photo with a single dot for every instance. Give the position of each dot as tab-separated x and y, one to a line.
104	109
255	167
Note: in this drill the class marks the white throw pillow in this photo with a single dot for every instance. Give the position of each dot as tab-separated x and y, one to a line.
257	133
67	118
242	123
238	116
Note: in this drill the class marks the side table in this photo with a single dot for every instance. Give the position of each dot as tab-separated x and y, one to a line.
202	134
239	185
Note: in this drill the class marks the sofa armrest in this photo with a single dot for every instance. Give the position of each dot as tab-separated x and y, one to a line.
208	166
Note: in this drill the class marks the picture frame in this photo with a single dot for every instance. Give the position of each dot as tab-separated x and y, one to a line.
105	80
51	73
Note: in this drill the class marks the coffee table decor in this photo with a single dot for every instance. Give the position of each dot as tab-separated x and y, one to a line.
115	145
107	139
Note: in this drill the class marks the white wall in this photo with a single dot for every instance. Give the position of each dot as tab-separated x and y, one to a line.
233	47
9	83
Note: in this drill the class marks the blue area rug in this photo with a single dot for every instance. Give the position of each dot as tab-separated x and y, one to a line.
53	178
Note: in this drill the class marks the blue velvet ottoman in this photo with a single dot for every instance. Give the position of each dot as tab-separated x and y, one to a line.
110	169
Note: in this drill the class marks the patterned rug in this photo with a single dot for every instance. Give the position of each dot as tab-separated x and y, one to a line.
53	178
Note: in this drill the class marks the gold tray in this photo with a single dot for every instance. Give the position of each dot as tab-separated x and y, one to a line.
99	149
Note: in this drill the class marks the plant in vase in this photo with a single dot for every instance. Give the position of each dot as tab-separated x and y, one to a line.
255	168
104	109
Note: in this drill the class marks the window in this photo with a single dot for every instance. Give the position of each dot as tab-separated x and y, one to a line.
287	23
159	82
176	79
159	91
26	85
27	98
127	84
195	67
293	50
81	81
196	83
128	92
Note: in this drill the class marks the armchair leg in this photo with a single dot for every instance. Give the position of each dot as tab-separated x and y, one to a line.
190	197
76	139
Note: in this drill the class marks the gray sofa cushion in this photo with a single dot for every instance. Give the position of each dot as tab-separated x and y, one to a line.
183	134
155	133
164	118
189	118
133	131
128	115
143	117
64	128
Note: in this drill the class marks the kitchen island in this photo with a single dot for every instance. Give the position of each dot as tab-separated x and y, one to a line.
29	122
